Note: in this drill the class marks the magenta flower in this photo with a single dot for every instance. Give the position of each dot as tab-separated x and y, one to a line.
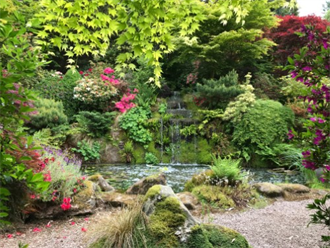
105	78
108	70
307	68
313	119
306	153
294	74
327	167
325	43
290	135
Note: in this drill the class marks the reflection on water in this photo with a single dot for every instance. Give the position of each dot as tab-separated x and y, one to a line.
123	176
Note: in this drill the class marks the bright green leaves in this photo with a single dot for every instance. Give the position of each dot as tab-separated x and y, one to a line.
147	26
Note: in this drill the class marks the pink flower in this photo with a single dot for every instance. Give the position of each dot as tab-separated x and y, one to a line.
105	78
10	236
73	223
36	229
47	177
48	224
86	219
83	229
108	70
81	72
32	196
74	190
19	233
66	204
136	90
90	69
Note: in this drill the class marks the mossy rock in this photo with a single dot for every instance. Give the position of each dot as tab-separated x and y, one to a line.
210	236
197	180
85	200
213	195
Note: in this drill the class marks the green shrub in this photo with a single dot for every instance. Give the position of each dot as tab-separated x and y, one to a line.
150	158
263	125
89	152
134	122
53	85
284	155
217	93
96	124
50	114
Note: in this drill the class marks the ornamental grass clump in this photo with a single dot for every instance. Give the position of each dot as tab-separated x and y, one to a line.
123	229
63	172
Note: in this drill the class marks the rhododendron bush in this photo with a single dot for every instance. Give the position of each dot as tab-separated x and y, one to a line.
311	68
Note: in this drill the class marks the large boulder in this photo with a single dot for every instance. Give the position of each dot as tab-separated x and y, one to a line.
294	188
188	199
101	182
171	224
115	199
141	187
269	189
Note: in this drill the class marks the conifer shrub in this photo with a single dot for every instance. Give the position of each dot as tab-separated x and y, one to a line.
50	114
95	123
217	93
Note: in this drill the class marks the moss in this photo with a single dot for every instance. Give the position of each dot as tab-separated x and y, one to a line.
83	196
94	178
152	148
204	152
139	154
165	220
197	180
187	153
222	237
210	236
152	192
213	195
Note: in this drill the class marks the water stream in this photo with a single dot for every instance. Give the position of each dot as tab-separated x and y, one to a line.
123	176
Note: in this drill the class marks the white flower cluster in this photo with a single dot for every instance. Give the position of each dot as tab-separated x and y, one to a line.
89	90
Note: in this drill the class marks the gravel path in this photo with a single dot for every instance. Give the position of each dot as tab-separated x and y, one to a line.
280	225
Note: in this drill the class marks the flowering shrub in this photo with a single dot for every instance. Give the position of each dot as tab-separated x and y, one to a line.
96	89
125	102
311	68
63	173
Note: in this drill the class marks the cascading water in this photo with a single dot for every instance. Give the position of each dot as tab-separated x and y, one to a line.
181	118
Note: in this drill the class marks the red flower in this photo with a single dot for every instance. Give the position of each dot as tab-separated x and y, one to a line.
86	219
83	229
36	229
90	69
81	72
32	196
47	177
73	223
74	190
66	204
10	236
52	159
86	74
19	233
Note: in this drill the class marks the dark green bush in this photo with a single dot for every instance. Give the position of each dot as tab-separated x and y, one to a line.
218	93
50	114
95	123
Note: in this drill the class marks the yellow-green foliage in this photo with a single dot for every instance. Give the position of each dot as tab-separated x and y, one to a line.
50	114
213	195
187	152
164	221
138	154
204	152
209	236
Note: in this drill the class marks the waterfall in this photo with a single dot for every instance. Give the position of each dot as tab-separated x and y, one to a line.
182	117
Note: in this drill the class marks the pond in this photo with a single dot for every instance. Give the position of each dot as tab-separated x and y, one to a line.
122	176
